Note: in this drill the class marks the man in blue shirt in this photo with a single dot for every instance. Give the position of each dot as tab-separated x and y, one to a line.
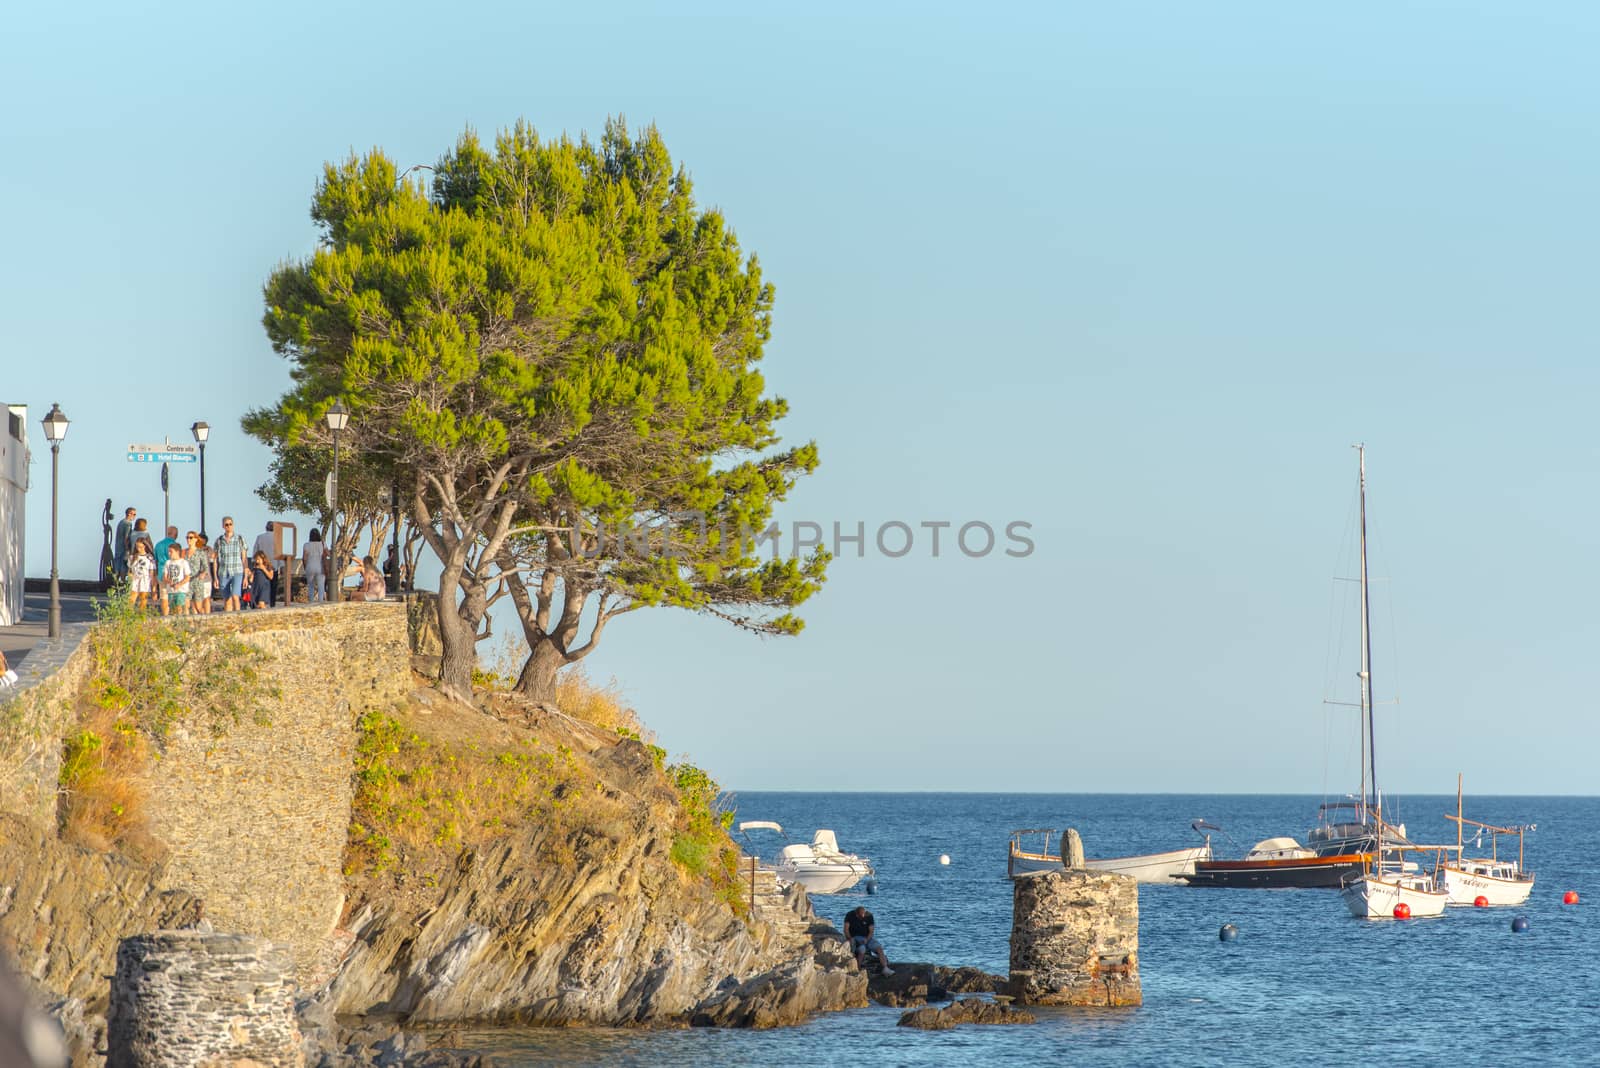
161	556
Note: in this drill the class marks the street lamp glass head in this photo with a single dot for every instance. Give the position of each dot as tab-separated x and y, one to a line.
55	424
201	431
338	417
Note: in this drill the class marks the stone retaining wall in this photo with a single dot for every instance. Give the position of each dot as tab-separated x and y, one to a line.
35	716
255	819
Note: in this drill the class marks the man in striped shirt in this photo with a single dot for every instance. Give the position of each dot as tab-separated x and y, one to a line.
230	565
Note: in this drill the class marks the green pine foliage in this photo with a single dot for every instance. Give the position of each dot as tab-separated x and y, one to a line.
553	338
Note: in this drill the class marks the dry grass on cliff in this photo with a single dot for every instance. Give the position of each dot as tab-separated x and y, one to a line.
576	694
438	777
103	767
425	791
602	706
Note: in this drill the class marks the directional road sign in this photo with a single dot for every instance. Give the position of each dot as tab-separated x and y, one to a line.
162	453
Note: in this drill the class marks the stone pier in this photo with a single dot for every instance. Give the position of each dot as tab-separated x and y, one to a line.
1075	939
189	998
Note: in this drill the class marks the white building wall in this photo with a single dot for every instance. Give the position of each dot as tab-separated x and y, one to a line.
13	512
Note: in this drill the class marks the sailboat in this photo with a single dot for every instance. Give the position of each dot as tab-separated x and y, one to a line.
1386	887
1495	881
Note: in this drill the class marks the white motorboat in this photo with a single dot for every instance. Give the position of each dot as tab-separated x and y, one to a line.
821	867
1168	867
1497	881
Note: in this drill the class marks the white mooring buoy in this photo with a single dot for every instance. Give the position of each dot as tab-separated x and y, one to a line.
944	858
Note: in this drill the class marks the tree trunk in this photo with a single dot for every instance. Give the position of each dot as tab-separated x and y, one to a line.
541	670
458	643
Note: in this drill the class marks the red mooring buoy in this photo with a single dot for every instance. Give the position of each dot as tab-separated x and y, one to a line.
1402	911
1480	902
1570	898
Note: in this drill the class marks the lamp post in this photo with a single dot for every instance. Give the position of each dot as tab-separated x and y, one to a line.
201	431
338	418
55	428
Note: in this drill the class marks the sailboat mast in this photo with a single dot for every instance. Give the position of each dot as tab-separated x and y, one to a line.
1369	769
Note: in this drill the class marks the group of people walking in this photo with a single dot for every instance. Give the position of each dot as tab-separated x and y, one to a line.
185	577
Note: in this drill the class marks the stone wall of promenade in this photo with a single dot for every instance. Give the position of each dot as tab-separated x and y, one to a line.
35	716
255	818
251	815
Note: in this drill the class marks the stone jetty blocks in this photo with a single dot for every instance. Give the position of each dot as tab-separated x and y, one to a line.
1075	939
189	998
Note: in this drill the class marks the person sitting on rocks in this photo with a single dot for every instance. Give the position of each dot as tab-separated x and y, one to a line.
859	925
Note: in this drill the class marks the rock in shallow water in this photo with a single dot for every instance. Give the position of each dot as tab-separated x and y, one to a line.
965	1011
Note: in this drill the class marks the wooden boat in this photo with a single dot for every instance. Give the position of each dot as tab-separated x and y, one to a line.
1279	864
1166	867
1497	881
1378	892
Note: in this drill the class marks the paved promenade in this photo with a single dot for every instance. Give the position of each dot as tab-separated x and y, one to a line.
18	641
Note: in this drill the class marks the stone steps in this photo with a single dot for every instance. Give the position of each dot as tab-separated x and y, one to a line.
786	912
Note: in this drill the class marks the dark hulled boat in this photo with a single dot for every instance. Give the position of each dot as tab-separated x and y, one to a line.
1278	864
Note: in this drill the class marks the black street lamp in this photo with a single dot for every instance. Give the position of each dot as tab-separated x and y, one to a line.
201	431
55	428
338	418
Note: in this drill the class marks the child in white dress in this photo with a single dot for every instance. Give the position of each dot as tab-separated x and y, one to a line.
141	574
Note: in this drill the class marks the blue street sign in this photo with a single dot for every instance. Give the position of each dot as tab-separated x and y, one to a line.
162	453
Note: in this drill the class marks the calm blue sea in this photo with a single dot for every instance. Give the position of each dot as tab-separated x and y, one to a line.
1304	983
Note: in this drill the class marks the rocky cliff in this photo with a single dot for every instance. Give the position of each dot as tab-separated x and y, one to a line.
533	868
589	921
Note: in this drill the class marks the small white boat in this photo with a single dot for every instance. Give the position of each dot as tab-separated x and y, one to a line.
1497	881
821	867
1376	894
1168	867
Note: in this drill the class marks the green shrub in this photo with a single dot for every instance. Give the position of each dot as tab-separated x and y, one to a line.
701	847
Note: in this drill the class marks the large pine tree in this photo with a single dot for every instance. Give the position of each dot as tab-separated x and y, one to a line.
549	347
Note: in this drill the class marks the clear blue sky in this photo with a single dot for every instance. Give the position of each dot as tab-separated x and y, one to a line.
1137	274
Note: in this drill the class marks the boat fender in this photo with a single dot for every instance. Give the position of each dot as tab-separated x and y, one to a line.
1402	911
871	886
1480	902
1570	898
1519	924
1228	933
